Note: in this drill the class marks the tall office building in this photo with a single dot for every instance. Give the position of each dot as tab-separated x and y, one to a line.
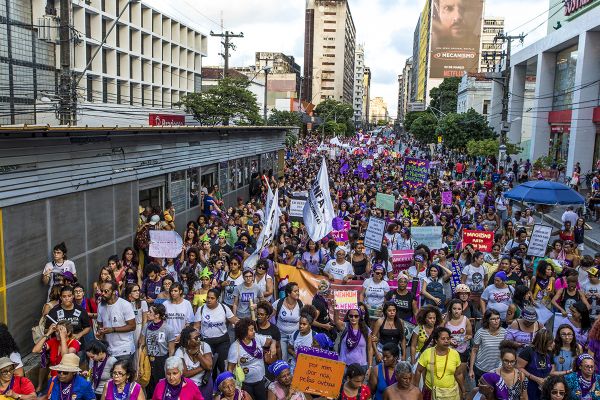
359	84
491	53
366	94
404	90
329	51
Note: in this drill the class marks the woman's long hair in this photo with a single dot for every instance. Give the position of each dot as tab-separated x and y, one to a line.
558	343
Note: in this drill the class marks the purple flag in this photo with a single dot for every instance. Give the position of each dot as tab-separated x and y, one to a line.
313	351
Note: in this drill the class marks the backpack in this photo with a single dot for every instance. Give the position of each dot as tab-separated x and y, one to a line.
436	289
280	304
142	239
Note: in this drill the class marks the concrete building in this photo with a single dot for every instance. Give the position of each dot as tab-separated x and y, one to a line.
148	62
212	75
359	85
83	186
491	53
404	90
367	94
378	111
285	76
564	68
474	91
27	64
329	51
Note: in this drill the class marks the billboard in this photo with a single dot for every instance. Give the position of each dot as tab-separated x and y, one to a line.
455	37
423	45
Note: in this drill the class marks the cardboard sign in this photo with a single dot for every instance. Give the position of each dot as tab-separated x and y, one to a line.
385	201
401	260
341	236
319	376
416	172
374	233
165	244
430	236
447	198
538	242
481	240
297	208
346	299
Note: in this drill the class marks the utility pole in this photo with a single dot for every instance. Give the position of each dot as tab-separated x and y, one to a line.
66	92
226	42
505	87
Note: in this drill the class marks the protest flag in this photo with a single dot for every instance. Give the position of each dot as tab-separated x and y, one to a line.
318	211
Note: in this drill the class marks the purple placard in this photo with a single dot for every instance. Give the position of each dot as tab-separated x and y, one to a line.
313	351
416	172
341	236
447	198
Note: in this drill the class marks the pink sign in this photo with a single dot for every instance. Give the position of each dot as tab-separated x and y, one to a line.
447	198
341	236
401	260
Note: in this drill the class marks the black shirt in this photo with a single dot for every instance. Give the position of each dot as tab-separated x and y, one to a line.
78	317
404	303
273	332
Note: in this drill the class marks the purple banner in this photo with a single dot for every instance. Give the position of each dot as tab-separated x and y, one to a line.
313	351
447	198
416	172
341	235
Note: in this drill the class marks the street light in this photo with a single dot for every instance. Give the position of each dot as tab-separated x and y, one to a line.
501	156
266	68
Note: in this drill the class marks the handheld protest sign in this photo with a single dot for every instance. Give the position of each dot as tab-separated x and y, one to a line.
538	241
319	376
374	233
481	240
385	201
346	299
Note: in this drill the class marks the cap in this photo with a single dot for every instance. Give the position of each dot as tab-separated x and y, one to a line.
419	258
529	314
593	271
502	276
154	220
462	288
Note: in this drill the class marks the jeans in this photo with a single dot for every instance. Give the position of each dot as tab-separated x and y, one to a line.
286	340
157	368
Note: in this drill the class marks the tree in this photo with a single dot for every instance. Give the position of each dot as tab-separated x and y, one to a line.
444	97
338	113
410	117
382	122
458	129
490	148
229	101
286	118
424	128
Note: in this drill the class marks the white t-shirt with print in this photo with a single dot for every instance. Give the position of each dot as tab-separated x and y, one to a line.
191	364
179	315
375	292
254	368
114	316
475	277
337	270
213	323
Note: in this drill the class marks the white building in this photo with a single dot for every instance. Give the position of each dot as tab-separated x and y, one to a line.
563	112
404	90
147	64
491	53
474	91
359	85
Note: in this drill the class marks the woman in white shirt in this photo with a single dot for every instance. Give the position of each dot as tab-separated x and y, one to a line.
179	310
197	360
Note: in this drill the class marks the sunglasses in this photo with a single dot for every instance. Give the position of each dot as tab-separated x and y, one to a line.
558	392
353	316
64	372
261	267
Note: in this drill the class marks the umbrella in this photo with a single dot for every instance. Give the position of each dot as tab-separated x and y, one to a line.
545	192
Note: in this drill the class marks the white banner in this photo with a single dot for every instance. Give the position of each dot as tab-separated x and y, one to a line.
297	207
374	233
430	236
165	244
318	211
268	203
538	242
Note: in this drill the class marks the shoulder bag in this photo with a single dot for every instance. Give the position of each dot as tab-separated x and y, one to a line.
438	393
240	375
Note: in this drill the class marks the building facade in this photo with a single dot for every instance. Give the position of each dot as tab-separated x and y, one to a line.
404	90
93	207
474	91
491	53
27	64
329	51
564	114
148	62
285	76
366	94
359	88
378	111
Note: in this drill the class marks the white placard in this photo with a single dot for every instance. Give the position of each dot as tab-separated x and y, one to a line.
297	207
165	244
374	233
538	242
430	236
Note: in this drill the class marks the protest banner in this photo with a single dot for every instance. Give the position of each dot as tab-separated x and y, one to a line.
318	210
385	201
341	235
318	375
297	208
317	352
401	260
345	299
431	236
416	172
447	198
374	233
538	241
165	244
481	240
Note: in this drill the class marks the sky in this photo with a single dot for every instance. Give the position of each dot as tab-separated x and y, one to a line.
385	27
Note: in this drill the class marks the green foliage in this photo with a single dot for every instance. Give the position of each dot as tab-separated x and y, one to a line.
458	129
410	117
444	97
382	122
424	128
284	118
229	101
337	117
489	148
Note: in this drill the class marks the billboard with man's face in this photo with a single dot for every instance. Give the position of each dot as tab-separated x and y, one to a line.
455	37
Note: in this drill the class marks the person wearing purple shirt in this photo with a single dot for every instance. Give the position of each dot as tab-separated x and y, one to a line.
151	287
355	342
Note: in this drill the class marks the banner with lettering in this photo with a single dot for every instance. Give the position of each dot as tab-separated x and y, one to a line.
318	211
480	240
401	260
430	236
416	172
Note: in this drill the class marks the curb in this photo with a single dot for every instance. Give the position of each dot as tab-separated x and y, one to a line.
551	220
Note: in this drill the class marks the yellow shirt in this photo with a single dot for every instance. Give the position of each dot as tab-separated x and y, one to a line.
443	369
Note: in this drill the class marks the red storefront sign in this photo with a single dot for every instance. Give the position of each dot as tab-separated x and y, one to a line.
480	240
166	119
596	115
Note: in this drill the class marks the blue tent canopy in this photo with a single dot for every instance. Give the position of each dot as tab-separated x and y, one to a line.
545	192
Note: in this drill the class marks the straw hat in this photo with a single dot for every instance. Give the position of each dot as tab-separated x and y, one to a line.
69	363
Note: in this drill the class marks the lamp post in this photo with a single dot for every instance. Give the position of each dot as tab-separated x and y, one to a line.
501	156
266	69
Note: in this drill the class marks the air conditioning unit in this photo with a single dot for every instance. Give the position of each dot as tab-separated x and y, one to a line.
47	28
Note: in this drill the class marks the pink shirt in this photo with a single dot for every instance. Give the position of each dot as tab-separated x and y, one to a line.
189	391
562	284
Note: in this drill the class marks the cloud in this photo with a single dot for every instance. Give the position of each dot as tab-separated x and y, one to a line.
385	27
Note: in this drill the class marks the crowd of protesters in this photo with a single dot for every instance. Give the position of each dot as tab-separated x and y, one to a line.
456	324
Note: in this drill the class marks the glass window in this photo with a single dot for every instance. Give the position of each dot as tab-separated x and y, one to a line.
193	186
232	176
564	78
223	175
178	190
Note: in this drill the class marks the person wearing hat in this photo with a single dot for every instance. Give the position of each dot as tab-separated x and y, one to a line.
374	290
522	330
282	389
227	390
591	289
13	386
339	268
497	296
68	384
